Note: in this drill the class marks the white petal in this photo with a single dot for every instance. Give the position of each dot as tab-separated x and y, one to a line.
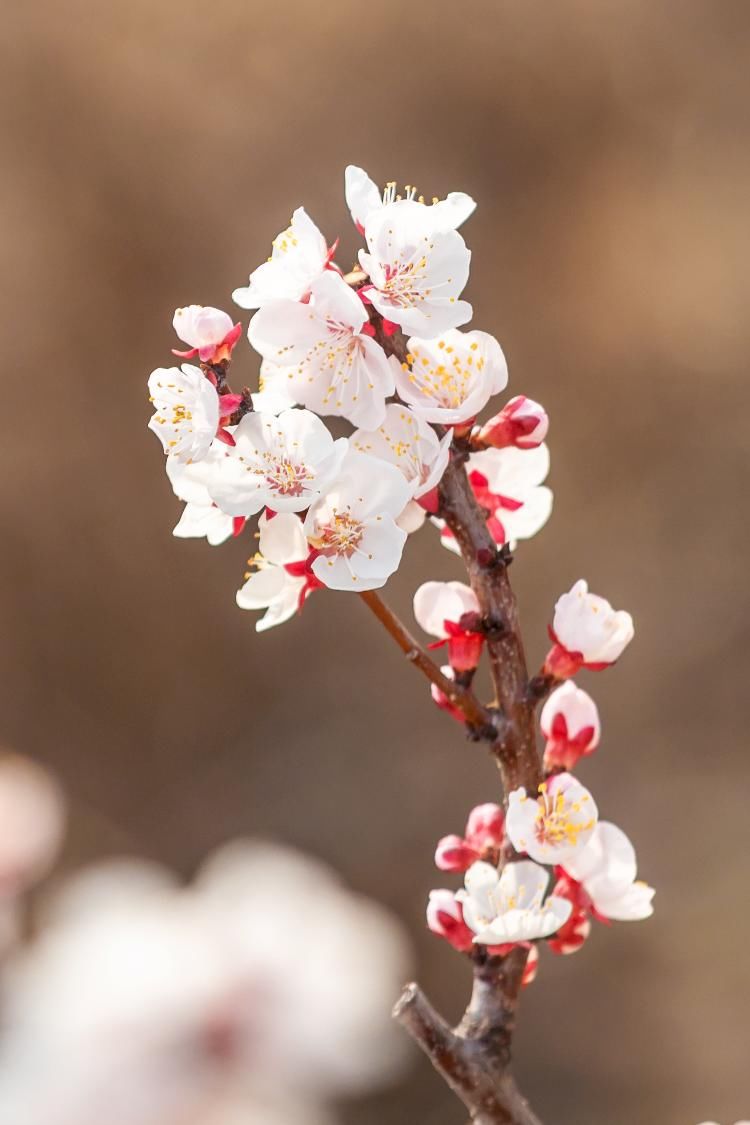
282	539
199	521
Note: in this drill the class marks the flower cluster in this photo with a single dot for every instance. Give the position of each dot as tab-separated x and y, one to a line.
505	858
381	347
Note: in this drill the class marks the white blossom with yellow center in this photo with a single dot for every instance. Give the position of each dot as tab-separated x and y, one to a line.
332	366
510	906
409	443
186	411
555	825
417	273
299	255
364	200
353	525
282	462
451	378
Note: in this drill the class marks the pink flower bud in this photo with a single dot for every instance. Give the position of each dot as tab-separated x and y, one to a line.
570	723
522	422
485	827
209	332
453	853
445	918
573	933
442	700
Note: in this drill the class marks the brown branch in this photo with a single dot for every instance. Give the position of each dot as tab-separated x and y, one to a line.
474	1058
479	719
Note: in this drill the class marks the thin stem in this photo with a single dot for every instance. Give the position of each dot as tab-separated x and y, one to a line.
478	718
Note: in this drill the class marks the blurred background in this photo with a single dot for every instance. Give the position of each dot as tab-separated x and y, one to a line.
152	149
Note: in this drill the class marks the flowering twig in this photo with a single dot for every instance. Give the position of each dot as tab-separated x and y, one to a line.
381	346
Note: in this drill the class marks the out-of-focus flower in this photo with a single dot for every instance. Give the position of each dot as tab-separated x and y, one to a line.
335	366
450	379
482	839
409	443
210	333
364	199
508	485
606	868
445	917
570	723
353	526
32	820
284	577
144	1004
186	411
555	826
450	611
522	423
298	257
281	461
510	907
587	633
417	273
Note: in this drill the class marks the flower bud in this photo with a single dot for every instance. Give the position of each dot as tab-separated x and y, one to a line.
442	700
570	723
522	422
445	918
453	853
209	332
485	827
587	633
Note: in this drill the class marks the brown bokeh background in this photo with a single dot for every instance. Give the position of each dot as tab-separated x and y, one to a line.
151	150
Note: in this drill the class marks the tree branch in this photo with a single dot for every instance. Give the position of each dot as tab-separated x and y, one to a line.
479	719
474	1058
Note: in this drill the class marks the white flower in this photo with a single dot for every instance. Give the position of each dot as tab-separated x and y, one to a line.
607	870
186	411
450	379
410	444
570	723
417	273
353	525
335	367
200	517
282	462
210	332
141	1003
32	820
298	257
363	199
586	625
510	907
437	604
556	825
282	580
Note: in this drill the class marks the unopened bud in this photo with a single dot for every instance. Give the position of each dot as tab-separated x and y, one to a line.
453	853
522	422
485	827
570	723
445	918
